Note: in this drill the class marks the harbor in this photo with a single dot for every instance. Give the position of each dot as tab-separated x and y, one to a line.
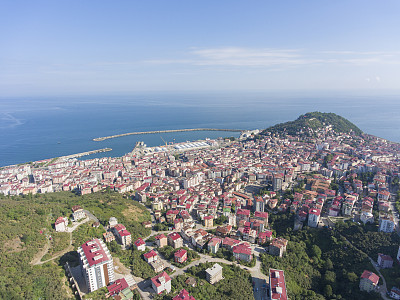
99	139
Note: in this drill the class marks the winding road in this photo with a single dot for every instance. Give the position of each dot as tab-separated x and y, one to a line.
382	289
38	260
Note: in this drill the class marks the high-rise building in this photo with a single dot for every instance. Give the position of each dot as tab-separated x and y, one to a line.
259	204
97	264
277	285
277	182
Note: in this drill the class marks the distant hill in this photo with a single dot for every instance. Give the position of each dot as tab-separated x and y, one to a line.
314	121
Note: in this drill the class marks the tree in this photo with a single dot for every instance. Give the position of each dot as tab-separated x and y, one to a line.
330	277
352	277
328	264
221	220
328	291
316	251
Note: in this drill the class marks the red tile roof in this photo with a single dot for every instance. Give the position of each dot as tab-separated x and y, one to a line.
370	276
183	295
60	220
119	227
174	236
245	212
139	242
149	254
180	253
160	236
259	214
117	286
242	249
94	252
124	233
156	281
315	211
277	284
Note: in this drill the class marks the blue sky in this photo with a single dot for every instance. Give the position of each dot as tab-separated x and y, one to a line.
91	47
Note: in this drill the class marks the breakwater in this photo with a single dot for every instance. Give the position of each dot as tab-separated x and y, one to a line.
85	153
99	139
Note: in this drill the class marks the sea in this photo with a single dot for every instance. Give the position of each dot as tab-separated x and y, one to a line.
37	128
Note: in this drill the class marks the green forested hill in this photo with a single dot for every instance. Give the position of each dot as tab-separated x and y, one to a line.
26	222
315	120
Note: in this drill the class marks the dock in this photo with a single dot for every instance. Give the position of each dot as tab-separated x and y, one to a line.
99	139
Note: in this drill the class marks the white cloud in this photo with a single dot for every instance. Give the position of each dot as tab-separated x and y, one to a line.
278	58
249	57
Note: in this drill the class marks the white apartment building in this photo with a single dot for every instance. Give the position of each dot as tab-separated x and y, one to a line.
96	263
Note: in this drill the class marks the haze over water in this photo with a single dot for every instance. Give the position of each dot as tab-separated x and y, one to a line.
38	128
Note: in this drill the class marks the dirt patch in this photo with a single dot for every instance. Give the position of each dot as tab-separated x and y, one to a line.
132	213
14	245
119	267
38	256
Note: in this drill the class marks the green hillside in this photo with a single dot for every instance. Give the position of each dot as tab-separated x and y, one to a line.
314	121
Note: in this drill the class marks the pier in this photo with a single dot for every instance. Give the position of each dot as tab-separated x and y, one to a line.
99	139
85	153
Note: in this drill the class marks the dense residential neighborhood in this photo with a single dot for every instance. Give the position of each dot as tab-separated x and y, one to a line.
218	197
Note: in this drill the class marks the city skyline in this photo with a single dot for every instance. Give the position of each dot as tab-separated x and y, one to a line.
60	48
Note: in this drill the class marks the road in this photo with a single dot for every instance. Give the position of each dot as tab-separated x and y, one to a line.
259	279
91	216
382	289
38	259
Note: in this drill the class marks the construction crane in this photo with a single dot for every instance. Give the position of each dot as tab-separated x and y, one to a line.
163	140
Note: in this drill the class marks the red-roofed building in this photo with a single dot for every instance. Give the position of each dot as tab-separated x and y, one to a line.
161	283
224	230
242	252
385	261
171	215
229	243
278	247
262	216
180	256
96	263
140	244
242	214
277	285
183	295
369	281
213	245
123	235
395	293
265	236
78	213
175	240
161	240
208	221
313	217
61	224
150	256
117	286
